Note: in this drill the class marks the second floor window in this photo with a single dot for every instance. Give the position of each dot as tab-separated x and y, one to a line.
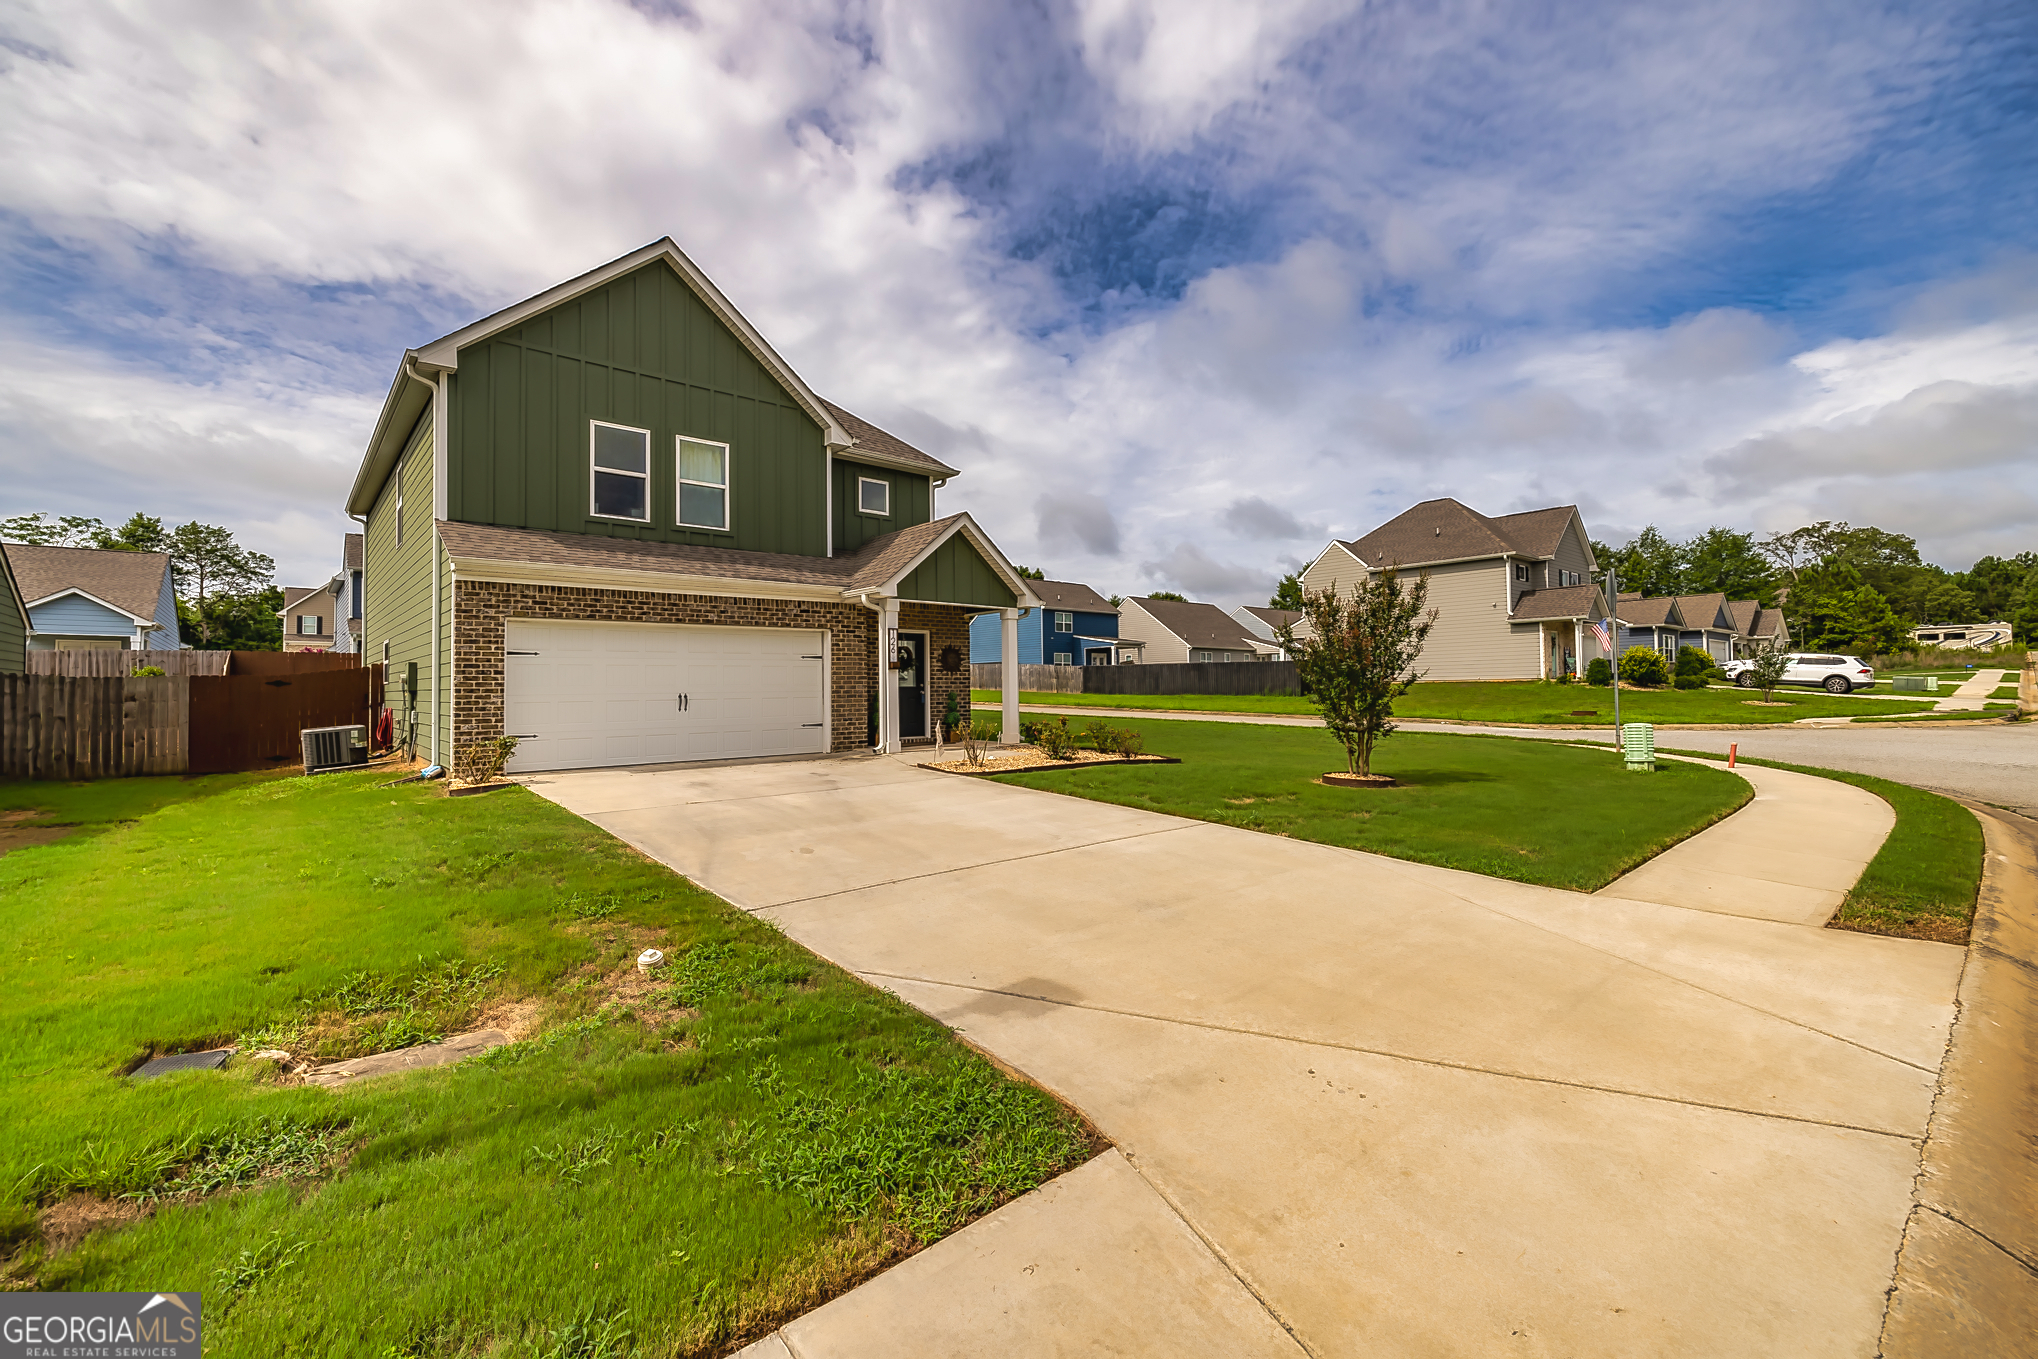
873	496
310	625
622	471
1064	622
703	484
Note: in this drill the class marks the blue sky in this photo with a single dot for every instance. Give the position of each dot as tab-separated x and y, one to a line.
1184	288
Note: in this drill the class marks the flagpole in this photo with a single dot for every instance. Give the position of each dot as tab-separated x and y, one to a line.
1613	627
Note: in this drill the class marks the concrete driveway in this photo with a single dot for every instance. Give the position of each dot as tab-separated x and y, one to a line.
1361	1106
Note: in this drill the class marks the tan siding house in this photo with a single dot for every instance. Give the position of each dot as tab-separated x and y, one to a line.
1513	594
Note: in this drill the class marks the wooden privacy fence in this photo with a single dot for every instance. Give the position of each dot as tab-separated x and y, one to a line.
73	727
97	727
1219	677
108	663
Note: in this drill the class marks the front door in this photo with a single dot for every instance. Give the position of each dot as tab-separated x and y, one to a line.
912	673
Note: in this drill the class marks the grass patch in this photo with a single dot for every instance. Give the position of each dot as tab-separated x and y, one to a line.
1923	882
1557	815
1985	712
745	1136
1527	704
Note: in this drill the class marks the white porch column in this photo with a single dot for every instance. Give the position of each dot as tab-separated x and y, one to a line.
1578	648
1008	673
888	678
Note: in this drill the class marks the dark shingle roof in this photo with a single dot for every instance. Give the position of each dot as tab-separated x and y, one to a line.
1204	626
295	594
132	581
350	552
870	438
876	563
1068	594
1566	601
1768	623
1445	530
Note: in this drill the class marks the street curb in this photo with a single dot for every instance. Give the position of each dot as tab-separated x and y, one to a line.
1966	1279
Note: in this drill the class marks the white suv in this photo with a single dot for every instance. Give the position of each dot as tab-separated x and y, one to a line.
1834	674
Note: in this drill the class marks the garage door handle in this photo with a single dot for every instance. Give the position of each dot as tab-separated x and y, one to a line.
680	702
810	724
810	658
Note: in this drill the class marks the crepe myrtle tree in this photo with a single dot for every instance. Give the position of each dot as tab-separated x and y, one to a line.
1358	654
1766	664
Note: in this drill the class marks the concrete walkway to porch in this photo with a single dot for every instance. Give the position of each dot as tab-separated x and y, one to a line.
1973	693
1359	1105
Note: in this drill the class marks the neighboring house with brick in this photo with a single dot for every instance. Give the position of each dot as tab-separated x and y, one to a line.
1174	633
1266	625
613	522
1074	625
1513	593
89	598
307	616
13	621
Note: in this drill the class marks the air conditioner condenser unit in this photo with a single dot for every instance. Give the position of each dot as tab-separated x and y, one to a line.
334	747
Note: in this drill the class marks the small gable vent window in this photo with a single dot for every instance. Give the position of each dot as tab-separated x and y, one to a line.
873	496
622	471
703	484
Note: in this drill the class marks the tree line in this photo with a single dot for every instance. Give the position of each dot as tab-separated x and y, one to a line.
227	598
1856	590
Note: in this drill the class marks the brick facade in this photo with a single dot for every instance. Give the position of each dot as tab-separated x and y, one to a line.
482	608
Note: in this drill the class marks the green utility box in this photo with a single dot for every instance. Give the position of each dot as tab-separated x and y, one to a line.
1916	684
1638	747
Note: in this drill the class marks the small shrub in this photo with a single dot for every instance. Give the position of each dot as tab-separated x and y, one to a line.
1690	681
1644	666
1130	744
977	735
1102	737
148	672
485	759
1055	740
1598	671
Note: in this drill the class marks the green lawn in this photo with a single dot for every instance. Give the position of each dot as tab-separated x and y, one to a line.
1533	811
2005	691
1922	882
692	1164
1531	703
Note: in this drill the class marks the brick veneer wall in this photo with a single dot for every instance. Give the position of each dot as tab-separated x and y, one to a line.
945	626
482	608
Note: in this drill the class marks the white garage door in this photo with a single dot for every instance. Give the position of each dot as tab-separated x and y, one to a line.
584	695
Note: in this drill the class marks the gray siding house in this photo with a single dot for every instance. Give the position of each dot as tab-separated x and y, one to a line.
1513	593
96	598
612	522
1172	632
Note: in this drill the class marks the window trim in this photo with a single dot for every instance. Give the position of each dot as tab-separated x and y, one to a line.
592	512
728	503
1521	571
1064	658
1059	615
863	481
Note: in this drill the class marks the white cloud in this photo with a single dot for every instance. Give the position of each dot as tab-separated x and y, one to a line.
1187	567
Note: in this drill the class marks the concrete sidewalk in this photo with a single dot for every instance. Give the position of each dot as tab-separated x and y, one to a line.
1972	694
1402	1109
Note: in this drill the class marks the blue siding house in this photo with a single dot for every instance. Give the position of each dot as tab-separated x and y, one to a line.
96	598
1074	626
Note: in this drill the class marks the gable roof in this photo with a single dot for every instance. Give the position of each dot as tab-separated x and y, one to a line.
875	569
1275	618
13	585
1069	595
1768	623
1705	611
1203	626
1565	601
131	582
878	446
409	397
296	594
350	552
1661	612
1447	531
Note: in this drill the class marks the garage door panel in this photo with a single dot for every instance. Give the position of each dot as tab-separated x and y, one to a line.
607	694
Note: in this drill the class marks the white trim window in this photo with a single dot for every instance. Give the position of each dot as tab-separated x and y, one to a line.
310	625
619	471
874	496
1064	658
703	484
1064	622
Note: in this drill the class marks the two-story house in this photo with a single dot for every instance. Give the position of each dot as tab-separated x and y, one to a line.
1074	625
96	598
345	589
612	522
1183	632
307	615
1513	593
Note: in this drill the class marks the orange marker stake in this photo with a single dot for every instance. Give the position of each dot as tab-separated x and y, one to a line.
1732	747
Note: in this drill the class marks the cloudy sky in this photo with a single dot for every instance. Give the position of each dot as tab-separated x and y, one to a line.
1185	288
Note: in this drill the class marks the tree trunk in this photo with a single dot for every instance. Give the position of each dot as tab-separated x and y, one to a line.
1362	766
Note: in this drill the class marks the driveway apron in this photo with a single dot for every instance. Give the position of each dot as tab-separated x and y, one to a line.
1394	1108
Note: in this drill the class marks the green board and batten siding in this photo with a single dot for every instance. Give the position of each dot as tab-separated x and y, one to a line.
397	582
642	350
956	573
853	528
13	626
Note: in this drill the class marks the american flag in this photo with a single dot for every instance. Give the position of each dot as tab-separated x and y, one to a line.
1600	630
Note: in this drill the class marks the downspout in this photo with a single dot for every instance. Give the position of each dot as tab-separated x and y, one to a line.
410	371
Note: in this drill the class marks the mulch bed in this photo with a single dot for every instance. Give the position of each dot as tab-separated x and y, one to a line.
1027	759
1332	780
